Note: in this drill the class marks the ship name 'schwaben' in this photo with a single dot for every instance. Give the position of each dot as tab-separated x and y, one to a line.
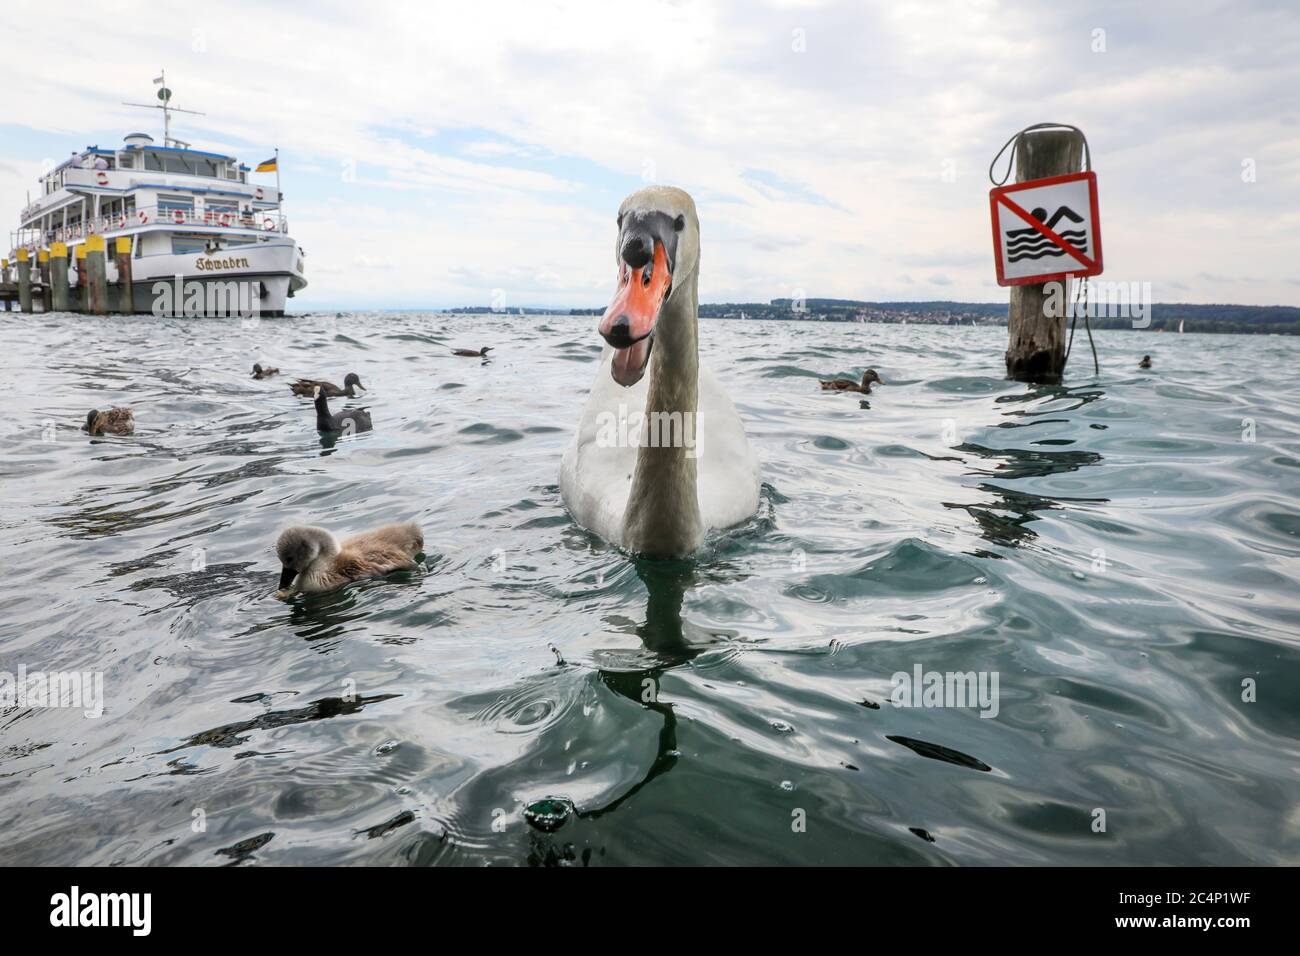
207	265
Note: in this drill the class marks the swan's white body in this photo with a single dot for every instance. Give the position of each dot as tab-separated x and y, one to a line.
595	477
617	478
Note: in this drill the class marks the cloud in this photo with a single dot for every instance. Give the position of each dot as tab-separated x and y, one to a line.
837	147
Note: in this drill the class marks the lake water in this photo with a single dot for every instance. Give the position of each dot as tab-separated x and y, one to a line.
1120	553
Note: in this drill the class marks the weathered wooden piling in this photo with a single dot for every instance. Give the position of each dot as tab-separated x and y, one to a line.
97	274
122	256
4	280
81	303
59	277
1035	339
24	280
43	262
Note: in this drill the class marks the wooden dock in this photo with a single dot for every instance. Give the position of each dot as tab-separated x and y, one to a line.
38	280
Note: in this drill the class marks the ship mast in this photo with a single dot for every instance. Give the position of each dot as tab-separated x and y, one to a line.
164	104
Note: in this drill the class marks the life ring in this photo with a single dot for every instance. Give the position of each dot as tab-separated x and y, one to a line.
102	178
268	224
259	193
226	219
142	216
178	216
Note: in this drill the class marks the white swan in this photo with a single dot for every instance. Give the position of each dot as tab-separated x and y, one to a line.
658	460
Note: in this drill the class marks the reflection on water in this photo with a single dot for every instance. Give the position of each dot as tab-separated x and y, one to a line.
1113	548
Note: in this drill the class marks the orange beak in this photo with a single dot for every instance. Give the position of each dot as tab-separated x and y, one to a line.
629	321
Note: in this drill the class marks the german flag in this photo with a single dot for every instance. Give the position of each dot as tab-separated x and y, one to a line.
266	166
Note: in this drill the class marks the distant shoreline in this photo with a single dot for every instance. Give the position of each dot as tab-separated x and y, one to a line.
1166	317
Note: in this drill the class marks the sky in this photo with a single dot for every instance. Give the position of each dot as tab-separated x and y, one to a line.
445	154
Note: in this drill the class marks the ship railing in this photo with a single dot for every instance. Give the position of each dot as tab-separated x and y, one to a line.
178	217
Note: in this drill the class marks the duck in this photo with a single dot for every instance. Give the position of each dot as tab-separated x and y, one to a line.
350	420
657	494
848	385
313	561
470	353
259	372
115	421
307	387
1146	362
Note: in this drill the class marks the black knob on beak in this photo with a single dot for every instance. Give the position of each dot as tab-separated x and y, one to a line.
638	249
619	335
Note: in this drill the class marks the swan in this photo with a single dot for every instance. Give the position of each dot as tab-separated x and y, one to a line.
847	385
115	421
657	459
307	387
312	560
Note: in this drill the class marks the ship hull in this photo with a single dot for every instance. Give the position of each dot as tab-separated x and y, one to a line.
240	281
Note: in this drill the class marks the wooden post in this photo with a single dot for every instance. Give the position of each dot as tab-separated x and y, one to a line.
59	277
4	280
83	286
24	281
97	273
43	258
1035	340
125	298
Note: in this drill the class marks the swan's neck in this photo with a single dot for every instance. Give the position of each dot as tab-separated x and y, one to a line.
663	510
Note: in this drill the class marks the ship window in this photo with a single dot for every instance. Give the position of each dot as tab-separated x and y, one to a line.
171	203
128	161
188	244
153	161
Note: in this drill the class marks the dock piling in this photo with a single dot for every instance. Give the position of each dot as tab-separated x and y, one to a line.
4	280
24	280
59	277
43	261
97	276
122	254
1036	340
81	302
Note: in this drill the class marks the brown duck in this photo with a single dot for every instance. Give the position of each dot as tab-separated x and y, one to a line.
115	421
847	385
1146	362
312	560
470	353
307	387
259	372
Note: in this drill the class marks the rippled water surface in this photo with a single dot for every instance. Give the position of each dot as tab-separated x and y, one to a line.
1117	551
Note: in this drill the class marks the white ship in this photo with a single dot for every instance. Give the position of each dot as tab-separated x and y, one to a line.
185	212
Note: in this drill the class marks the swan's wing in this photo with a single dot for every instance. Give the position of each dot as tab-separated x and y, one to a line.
596	473
728	478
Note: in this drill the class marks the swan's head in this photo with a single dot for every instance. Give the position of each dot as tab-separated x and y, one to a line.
658	241
300	547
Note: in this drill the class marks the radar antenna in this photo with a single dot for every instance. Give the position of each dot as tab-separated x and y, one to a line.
164	104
